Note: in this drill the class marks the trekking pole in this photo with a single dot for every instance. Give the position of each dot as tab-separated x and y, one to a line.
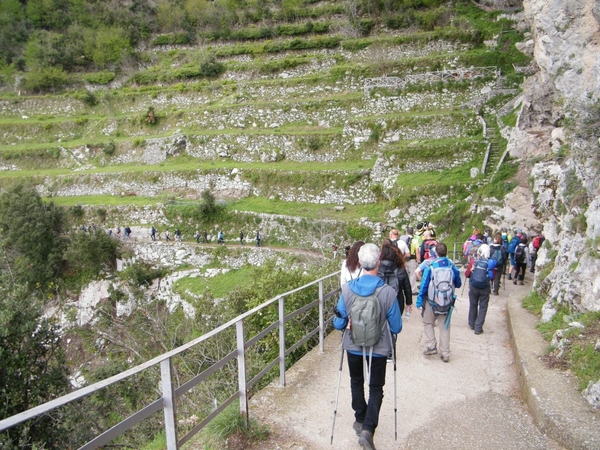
337	395
395	396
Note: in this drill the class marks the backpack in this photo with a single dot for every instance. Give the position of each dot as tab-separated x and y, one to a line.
365	316
514	242
505	241
441	289
479	274
429	248
472	251
537	242
391	279
497	255
520	253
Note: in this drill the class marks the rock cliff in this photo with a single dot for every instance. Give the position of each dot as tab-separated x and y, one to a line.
557	141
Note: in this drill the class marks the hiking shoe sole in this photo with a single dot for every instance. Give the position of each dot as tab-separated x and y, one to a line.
430	351
445	358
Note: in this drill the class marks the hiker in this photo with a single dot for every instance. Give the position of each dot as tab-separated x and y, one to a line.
221	238
521	256
350	266
428	254
436	298
205	237
536	244
178	235
389	324
241	238
472	244
197	237
127	232
335	251
258	237
429	242
512	246
168	235
499	254
399	243
393	272
153	233
413	259
479	272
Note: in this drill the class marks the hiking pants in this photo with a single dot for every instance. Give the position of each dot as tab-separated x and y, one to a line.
520	270
411	267
498	272
478	306
429	321
366	413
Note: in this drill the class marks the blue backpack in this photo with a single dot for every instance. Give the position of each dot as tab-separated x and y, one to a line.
497	255
479	274
516	240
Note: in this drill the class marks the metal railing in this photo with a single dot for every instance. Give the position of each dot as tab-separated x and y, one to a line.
170	393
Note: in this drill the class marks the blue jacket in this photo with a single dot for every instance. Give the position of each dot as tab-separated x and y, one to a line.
439	262
366	285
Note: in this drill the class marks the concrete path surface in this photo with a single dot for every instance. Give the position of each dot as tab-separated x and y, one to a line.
472	402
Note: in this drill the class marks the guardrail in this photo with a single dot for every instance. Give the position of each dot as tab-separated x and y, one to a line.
170	393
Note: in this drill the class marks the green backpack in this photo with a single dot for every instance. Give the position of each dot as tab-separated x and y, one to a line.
365	314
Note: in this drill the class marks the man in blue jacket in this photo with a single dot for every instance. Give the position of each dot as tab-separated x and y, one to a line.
367	414
426	296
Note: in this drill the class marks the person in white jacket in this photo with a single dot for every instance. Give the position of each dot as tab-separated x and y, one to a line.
350	266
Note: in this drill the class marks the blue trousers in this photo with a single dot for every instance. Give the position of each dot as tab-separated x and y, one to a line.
478	306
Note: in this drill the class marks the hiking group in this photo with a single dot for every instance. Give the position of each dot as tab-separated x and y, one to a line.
203	237
377	285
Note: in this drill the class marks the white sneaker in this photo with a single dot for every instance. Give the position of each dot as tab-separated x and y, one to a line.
407	314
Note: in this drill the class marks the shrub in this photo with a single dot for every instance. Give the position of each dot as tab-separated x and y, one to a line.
173	39
46	79
99	77
87	97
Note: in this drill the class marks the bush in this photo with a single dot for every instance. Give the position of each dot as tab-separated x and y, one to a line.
46	79
172	39
87	97
99	77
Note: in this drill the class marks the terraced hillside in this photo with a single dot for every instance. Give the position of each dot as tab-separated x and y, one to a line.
282	127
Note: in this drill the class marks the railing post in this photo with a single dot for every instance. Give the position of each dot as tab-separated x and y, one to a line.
282	341
166	374
321	319
241	360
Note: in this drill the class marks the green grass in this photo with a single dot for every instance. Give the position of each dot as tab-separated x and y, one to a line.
219	286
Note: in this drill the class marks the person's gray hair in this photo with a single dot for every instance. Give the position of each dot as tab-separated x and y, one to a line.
368	255
483	251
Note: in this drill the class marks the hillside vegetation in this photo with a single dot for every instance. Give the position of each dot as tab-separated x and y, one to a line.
226	115
143	106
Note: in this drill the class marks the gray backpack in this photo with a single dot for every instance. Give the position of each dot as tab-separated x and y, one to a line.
365	314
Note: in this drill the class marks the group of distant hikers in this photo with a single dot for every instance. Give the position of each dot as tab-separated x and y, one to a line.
377	287
203	237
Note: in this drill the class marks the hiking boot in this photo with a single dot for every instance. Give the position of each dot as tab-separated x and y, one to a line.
444	358
357	426
495	292
509	276
515	281
478	331
430	351
366	440
521	283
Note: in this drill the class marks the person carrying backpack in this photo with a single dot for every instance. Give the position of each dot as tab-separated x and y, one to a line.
521	256
393	272
436	301
499	254
429	242
536	244
512	246
368	312
480	272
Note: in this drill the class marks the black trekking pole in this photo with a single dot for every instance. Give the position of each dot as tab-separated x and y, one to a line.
337	395
395	396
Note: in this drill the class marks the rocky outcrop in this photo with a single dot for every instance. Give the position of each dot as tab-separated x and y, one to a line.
558	126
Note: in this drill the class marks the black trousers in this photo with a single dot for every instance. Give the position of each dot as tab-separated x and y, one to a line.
367	413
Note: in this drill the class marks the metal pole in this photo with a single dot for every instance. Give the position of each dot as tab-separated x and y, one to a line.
337	395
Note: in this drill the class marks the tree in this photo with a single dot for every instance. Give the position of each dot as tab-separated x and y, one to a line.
111	45
33	369
30	235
